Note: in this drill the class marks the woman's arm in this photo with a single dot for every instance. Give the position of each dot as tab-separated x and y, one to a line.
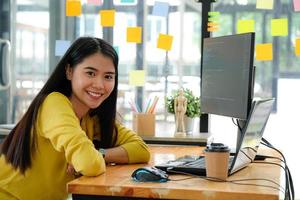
58	123
116	155
131	146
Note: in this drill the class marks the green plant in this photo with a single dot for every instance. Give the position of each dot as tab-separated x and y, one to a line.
193	103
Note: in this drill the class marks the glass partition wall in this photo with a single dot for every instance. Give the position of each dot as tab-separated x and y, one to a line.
39	23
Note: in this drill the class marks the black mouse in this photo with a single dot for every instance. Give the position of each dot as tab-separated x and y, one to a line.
150	174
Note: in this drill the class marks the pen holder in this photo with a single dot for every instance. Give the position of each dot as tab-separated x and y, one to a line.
144	124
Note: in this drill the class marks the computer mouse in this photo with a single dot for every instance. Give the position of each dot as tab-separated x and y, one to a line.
150	174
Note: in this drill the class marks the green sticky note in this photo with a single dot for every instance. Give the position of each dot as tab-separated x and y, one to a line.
245	26
264	4
127	1
137	78
213	14
279	27
213	19
116	49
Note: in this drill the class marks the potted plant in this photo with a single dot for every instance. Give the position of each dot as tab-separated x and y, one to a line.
192	111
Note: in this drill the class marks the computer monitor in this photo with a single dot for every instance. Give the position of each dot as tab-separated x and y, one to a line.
227	75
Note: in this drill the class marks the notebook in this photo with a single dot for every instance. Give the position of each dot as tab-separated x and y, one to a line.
246	149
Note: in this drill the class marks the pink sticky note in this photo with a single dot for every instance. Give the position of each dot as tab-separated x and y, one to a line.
297	5
94	2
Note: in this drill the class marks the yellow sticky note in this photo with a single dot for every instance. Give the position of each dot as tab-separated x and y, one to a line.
137	78
245	26
73	8
297	49
279	27
264	4
165	42
264	51
107	18
134	34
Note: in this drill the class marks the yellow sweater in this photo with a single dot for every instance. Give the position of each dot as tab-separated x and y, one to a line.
62	139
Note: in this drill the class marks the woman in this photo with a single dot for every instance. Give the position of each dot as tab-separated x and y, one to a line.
76	106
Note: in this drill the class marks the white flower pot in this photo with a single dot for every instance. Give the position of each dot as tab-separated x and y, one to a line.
188	124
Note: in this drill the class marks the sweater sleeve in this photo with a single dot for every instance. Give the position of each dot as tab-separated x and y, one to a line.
138	151
58	123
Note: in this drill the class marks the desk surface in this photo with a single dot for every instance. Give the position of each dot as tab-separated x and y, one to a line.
117	181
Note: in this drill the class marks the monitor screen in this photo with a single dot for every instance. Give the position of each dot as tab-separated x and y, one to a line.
227	75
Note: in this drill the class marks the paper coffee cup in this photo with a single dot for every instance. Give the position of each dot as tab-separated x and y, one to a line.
216	161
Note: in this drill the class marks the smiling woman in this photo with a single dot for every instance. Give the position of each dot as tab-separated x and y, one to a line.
76	107
92	82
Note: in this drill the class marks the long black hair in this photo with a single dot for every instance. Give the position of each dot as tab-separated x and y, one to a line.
19	146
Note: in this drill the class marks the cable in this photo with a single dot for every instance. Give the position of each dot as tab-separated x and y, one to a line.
264	162
233	122
259	179
289	186
230	181
289	195
237	124
182	179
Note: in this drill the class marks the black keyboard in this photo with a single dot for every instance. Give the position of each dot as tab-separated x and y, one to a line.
188	164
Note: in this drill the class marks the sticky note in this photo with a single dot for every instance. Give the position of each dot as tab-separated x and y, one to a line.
264	51
107	18
127	1
134	34
279	27
212	24
61	47
245	26
94	2
213	19
160	9
116	49
73	8
264	4
213	29
137	77
165	42
297	49
296	5
213	14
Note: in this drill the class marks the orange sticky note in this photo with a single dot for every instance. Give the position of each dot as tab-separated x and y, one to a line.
264	51
211	24
297	49
137	77
107	18
73	8
134	34
212	29
165	42
279	27
245	26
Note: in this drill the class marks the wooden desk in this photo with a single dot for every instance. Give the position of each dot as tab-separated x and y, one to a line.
117	183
